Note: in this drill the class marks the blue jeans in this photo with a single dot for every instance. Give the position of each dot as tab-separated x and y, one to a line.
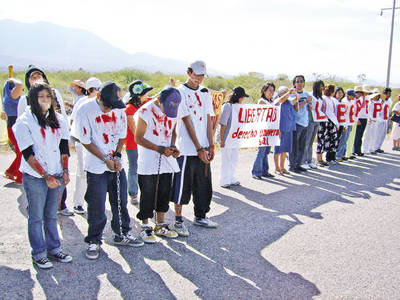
343	143
132	172
98	185
299	144
42	216
260	166
312	130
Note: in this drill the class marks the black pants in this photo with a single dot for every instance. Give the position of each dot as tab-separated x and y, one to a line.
359	134
148	187
193	179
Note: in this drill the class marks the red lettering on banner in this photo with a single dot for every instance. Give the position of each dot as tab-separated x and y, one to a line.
253	115
366	102
377	109
352	113
239	134
317	112
386	111
341	111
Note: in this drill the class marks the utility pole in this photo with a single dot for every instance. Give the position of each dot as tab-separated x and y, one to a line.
391	41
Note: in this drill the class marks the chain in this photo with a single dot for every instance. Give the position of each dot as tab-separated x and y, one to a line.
119	203
157	182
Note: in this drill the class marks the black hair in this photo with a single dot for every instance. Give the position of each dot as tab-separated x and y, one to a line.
316	87
329	90
295	77
135	100
33	94
234	98
190	70
265	87
84	91
339	89
387	90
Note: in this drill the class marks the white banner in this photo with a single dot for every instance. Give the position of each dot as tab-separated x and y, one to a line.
253	125
375	109
351	114
317	113
341	110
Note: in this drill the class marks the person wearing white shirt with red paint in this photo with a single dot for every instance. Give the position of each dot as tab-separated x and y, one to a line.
42	135
387	103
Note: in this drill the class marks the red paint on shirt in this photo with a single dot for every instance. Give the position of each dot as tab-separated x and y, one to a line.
84	131
169	124
43	133
65	161
159	118
53	130
201	118
98	120
198	99
105	138
155	132
108	119
195	112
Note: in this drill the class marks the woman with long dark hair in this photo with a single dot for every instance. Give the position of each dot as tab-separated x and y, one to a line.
138	94
229	156
42	135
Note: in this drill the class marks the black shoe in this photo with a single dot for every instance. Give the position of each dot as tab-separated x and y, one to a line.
301	169
374	153
380	151
257	177
61	257
345	158
359	154
268	175
297	170
352	157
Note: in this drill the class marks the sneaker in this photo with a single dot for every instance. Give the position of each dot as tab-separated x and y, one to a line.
93	251
43	263
305	166
380	151
257	177
226	186
134	200
312	166
205	222
352	157
128	240
268	175
66	212
79	210
147	235
322	163
359	154
61	257
373	153
301	169
181	229
163	230
237	183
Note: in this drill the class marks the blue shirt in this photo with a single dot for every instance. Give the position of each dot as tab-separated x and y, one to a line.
10	105
302	113
288	117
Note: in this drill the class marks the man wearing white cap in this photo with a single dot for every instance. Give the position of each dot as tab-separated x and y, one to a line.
92	86
195	142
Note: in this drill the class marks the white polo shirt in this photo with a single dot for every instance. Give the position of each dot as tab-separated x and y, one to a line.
104	130
45	142
159	130
197	104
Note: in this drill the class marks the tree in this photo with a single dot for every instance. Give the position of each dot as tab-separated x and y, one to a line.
282	77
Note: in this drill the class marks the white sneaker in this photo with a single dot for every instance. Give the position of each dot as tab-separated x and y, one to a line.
181	229
305	166
205	222
66	212
312	166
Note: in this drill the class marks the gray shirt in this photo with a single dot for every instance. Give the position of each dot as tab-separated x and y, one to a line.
225	118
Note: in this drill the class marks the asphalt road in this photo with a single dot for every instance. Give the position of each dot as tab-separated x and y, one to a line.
332	233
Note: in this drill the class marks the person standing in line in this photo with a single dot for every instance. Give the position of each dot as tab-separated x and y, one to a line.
337	99
385	114
362	114
260	165
350	143
138	95
332	126
322	135
302	121
101	128
312	131
78	89
370	136
396	127
42	135
92	86
287	99
229	156
196	146
349	102
11	94
155	134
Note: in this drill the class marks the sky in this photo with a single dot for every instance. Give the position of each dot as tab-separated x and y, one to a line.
342	38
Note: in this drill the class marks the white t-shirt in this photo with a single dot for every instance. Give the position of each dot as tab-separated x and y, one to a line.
330	109
159	131
104	130
396	107
362	105
385	114
371	115
197	105
45	142
23	103
77	105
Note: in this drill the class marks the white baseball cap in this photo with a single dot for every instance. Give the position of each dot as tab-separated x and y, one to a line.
198	67
93	82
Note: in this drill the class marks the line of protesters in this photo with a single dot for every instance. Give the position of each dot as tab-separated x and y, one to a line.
169	145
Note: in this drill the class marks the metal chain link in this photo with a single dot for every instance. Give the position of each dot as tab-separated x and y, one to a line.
119	203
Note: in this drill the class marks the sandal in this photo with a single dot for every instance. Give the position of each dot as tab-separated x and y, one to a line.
284	171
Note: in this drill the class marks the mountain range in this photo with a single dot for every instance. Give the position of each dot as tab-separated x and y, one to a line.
55	48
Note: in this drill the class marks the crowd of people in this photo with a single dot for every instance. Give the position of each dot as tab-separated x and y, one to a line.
169	143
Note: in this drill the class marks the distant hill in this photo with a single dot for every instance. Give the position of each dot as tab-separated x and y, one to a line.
56	47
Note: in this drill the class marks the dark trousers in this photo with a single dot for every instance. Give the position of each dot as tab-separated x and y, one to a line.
148	186
359	134
299	145
98	185
193	179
